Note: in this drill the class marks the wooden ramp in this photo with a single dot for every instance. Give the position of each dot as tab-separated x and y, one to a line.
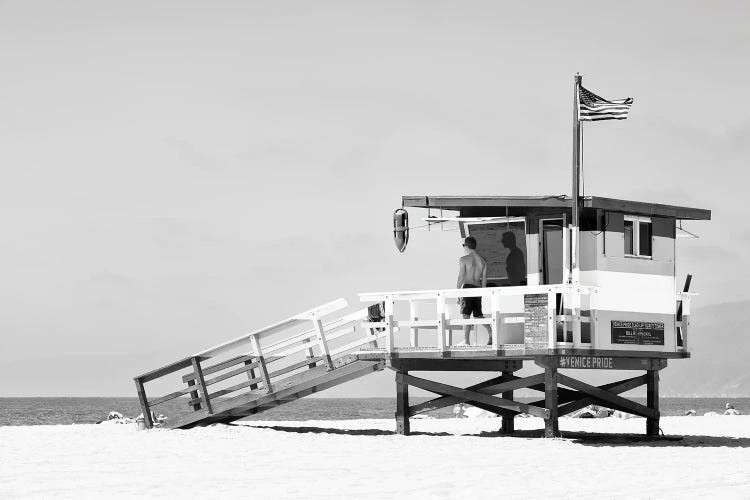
283	362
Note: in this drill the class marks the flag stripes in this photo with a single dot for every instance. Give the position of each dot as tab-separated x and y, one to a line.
593	108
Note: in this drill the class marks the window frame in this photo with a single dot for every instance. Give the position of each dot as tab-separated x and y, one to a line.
637	220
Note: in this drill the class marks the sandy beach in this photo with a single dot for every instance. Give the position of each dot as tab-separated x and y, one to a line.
453	458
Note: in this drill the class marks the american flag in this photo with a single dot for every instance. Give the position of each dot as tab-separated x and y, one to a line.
592	108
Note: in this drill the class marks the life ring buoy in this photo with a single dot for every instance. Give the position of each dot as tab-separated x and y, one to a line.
401	228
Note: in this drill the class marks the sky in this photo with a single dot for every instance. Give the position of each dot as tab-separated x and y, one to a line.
176	174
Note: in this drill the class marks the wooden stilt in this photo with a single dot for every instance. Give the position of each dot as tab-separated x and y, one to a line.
402	404
144	403
652	401
551	428
508	420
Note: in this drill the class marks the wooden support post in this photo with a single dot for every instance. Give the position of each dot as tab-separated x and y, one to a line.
551	428
144	403
322	342
402	405
201	383
194	395
508	420
652	401
413	331
441	324
262	363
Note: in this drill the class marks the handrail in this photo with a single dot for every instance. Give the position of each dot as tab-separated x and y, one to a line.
499	320
320	311
475	292
249	358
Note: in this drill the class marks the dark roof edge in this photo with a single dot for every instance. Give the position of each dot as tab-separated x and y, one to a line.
562	201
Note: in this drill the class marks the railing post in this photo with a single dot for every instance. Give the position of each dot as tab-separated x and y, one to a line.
575	311
413	331
685	320
262	362
310	353
251	374
441	324
144	403
389	323
496	319
322	342
552	317
194	395
198	373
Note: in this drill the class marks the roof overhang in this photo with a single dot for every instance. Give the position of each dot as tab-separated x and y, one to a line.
562	201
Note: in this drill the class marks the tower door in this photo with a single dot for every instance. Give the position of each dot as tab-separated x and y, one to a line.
552	250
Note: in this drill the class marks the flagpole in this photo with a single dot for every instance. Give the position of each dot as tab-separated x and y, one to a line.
574	277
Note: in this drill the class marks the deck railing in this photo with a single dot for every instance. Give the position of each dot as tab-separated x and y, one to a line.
242	366
505	317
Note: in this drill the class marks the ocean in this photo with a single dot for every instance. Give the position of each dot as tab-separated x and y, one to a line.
55	411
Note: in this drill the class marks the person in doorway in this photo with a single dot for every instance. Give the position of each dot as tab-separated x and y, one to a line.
515	264
472	273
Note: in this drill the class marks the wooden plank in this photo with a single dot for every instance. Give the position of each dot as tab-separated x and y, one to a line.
652	401
317	379
402	405
422	323
202	385
490	387
469	322
551	426
466	395
220	366
320	311
244	369
607	397
296	366
301	338
356	343
262	363
165	370
252	384
141	390
576	401
456	364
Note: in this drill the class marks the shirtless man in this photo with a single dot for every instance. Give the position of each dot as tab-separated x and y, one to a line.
472	274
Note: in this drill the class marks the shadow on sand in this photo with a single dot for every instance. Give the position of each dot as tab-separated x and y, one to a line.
346	432
582	438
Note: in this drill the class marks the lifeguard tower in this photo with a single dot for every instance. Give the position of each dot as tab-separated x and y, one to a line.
592	285
623	311
619	310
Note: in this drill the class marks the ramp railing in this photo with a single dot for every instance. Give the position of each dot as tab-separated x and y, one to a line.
253	364
559	305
